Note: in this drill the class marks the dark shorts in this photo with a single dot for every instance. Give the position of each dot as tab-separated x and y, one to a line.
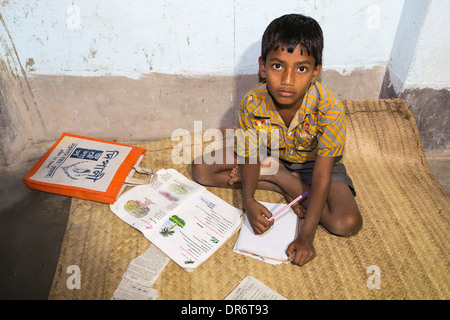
339	173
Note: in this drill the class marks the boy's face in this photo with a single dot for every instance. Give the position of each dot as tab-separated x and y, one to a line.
288	76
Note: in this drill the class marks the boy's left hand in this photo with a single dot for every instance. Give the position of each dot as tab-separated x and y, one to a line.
304	251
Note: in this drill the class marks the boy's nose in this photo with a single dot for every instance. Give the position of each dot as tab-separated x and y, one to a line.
288	78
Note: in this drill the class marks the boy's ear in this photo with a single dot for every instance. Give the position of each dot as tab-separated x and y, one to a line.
316	73
262	68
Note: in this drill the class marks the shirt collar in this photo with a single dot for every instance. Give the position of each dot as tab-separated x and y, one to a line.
266	109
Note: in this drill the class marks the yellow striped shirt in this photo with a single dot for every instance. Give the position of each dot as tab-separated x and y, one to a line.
318	127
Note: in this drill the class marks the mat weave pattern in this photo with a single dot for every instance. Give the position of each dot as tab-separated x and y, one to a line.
405	231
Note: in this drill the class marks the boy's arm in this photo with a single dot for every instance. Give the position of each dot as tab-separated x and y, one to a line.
255	211
320	188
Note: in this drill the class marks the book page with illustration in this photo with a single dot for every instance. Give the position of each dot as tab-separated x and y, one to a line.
146	206
182	218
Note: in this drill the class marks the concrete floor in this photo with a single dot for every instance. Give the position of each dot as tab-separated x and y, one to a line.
32	231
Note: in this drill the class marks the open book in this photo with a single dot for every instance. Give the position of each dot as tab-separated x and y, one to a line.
182	218
271	246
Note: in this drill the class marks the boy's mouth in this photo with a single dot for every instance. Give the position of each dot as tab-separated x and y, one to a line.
285	93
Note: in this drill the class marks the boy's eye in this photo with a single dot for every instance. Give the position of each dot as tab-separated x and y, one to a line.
302	69
277	66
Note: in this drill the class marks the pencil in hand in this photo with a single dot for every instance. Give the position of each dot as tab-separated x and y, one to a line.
288	205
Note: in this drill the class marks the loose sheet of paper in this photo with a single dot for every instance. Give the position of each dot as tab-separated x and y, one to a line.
253	289
129	290
146	268
140	275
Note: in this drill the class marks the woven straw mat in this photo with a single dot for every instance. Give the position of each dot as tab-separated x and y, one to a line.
405	232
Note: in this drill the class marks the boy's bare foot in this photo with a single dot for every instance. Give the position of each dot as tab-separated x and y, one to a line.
298	209
235	176
269	166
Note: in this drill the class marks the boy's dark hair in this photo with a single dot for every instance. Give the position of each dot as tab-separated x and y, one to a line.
291	30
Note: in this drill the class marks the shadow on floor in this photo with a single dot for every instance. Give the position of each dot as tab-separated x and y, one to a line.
30	240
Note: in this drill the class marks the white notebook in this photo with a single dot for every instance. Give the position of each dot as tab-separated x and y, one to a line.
271	246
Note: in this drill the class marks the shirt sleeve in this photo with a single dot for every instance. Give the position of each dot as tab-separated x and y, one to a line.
332	135
246	143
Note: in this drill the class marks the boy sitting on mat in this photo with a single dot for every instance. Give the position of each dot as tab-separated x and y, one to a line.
302	126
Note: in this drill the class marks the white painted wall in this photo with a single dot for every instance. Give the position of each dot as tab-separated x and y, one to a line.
420	55
358	34
403	50
196	37
431	61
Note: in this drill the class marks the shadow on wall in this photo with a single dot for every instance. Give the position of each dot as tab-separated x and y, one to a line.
246	78
431	111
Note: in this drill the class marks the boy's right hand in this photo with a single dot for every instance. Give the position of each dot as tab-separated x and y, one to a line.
257	216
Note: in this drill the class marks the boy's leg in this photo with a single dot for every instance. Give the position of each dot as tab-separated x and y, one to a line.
341	215
215	174
226	174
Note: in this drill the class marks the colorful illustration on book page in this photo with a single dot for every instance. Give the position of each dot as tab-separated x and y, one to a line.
168	196
137	208
179	188
170	226
176	191
214	239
